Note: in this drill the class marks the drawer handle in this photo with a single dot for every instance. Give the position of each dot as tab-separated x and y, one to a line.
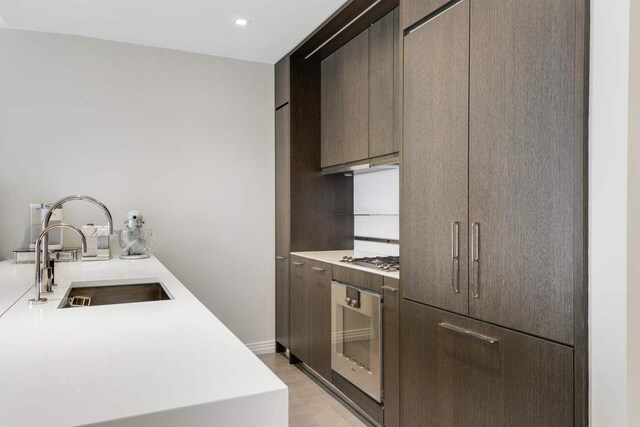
455	257
280	258
475	259
297	263
390	288
464	331
317	269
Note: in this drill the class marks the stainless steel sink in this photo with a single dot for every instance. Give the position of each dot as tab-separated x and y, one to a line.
86	294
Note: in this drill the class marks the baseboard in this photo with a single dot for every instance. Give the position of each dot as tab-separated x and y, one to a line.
263	347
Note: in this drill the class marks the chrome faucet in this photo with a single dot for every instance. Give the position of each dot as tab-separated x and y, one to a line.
47	280
40	271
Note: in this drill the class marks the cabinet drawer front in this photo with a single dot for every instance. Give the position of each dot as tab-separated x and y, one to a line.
458	371
359	278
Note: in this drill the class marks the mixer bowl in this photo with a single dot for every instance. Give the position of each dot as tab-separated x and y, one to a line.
136	243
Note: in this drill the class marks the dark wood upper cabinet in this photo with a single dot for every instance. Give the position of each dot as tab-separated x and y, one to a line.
435	147
355	99
282	78
331	110
381	87
415	10
521	164
461	372
299	308
282	152
320	318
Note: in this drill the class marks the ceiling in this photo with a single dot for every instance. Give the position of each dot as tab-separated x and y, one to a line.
201	26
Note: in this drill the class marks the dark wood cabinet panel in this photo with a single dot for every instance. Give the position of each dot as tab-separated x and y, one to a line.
331	110
415	10
381	87
360	398
283	181
282	77
320	318
282	186
299	308
359	278
282	300
391	351
521	159
397	80
451	377
355	99
434	174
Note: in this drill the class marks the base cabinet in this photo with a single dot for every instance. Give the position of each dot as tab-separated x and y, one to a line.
320	318
461	372
299	308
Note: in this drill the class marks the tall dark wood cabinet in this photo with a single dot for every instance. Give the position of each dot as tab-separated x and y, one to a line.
435	180
461	372
282	151
306	201
521	171
493	326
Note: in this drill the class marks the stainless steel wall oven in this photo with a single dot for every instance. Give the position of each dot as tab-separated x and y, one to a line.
356	337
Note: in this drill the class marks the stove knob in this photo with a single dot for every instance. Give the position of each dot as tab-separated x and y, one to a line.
347	300
354	303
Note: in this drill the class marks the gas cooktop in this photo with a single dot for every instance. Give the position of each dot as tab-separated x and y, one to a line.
385	263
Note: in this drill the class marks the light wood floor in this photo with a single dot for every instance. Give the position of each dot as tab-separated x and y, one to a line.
309	403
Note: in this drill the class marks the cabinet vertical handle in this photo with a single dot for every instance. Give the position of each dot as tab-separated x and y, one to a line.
455	257
475	259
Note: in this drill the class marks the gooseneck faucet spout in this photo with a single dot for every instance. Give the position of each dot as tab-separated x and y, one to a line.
39	272
47	279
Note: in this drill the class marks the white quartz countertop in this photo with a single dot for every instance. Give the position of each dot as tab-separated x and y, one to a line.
334	257
162	363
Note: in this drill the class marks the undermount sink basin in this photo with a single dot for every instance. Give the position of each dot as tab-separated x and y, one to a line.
106	292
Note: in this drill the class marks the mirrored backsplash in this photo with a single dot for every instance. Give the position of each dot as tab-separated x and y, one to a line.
376	204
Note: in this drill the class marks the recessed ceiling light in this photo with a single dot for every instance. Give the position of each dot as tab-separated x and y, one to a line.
241	22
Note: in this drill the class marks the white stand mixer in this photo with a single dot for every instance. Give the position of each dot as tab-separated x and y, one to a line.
135	242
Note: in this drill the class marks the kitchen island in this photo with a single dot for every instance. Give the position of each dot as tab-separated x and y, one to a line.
162	363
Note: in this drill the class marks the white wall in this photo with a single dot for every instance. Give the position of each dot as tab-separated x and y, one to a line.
633	282
187	139
609	74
